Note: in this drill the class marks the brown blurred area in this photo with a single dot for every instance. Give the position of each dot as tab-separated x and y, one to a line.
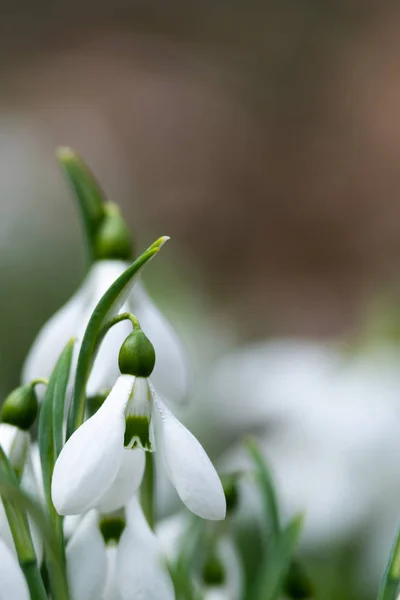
263	137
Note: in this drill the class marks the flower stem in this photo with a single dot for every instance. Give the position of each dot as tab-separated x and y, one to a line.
20	531
147	490
34	580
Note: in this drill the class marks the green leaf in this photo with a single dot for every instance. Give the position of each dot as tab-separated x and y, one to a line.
266	485
107	307
90	196
391	578
23	504
51	418
276	564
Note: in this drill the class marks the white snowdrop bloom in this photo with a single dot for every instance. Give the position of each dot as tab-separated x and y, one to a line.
72	319
12	580
96	467
131	568
86	560
327	423
141	571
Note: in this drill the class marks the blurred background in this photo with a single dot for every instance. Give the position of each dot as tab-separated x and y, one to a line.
264	138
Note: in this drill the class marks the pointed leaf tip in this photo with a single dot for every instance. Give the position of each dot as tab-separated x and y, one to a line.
65	154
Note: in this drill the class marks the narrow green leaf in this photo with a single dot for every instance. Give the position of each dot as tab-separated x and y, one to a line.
87	191
61	375
22	502
390	583
266	485
273	571
107	307
50	433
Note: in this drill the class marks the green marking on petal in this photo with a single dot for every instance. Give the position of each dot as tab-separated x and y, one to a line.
137	432
111	528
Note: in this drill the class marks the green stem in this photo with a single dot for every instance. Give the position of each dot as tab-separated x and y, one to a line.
34	580
114	321
391	577
21	535
39	380
147	490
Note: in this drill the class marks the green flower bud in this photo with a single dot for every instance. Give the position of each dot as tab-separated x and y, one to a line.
213	571
20	407
298	584
137	356
112	239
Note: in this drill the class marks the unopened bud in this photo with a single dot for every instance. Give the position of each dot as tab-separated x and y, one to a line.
20	407
112	238
137	356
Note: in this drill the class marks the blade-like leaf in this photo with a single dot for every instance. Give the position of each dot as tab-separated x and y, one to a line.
107	307
266	485
391	578
87	191
273	571
50	434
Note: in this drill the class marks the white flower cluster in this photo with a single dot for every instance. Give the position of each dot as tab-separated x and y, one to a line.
100	468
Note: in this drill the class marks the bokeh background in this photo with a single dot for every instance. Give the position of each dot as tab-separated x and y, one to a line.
264	138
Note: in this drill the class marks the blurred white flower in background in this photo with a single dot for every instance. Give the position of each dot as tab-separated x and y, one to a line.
328	423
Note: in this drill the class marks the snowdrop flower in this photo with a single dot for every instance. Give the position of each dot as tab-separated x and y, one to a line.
71	321
131	567
327	423
12	580
102	463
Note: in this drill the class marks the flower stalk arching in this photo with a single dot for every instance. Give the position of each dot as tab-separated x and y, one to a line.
108	305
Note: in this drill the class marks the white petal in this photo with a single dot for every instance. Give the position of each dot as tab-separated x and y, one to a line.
15	444
190	470
170	374
89	462
105	368
29	484
12	581
70	321
112	589
127	482
141	569
86	560
53	336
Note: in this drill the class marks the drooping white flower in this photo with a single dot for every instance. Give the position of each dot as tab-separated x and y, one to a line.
88	472
326	421
141	571
12	580
72	318
86	560
133	568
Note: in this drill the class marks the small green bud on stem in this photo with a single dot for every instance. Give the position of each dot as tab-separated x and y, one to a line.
298	584
213	571
112	239
137	356
21	407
